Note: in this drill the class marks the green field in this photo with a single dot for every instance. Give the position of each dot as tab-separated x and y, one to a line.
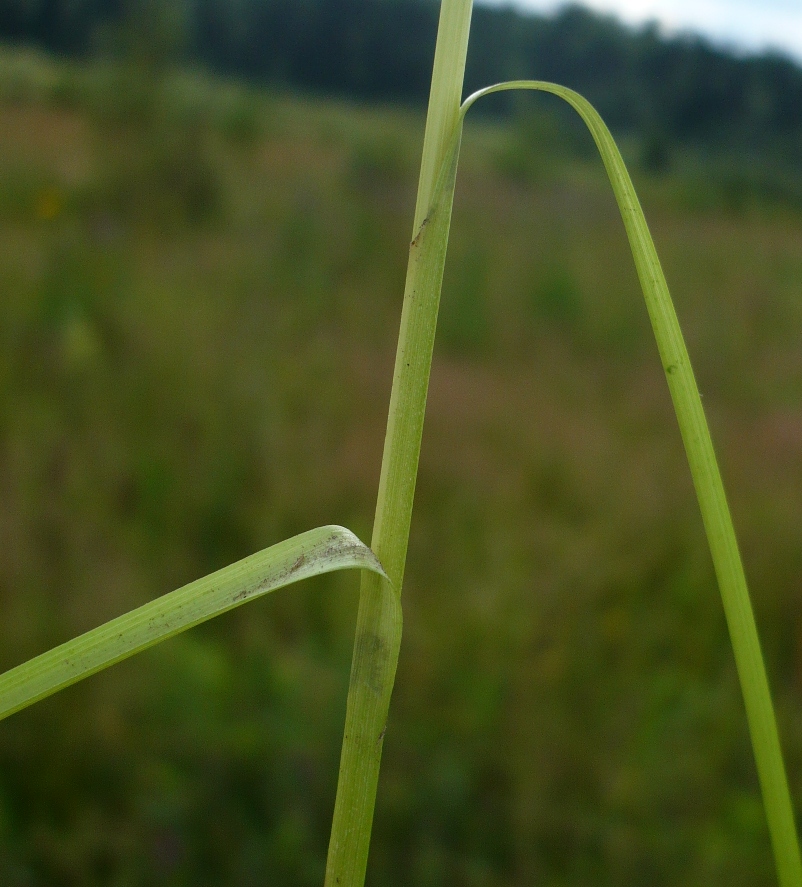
200	290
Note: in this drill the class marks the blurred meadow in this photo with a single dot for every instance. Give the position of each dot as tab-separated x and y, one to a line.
201	286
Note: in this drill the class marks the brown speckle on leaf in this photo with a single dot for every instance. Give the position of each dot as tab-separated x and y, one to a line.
420	231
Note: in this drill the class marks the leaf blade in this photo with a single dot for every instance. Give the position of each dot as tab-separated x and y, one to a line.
707	482
318	551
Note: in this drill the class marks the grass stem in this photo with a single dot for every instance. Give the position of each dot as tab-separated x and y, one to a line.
378	631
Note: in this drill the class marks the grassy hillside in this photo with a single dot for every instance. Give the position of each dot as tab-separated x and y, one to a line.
201	288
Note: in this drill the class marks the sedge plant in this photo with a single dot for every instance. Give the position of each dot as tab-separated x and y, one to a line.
379	619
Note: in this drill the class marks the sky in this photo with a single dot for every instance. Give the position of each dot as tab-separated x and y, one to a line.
744	25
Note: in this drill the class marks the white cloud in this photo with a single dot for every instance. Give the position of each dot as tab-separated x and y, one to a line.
743	24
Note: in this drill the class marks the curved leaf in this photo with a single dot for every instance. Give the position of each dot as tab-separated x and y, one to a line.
706	479
323	550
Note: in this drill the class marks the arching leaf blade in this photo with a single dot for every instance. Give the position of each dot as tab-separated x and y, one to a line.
323	550
707	482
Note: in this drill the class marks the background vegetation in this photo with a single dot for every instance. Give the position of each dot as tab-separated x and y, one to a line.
201	283
658	90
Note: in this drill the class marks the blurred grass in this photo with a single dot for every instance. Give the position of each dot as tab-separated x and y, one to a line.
201	293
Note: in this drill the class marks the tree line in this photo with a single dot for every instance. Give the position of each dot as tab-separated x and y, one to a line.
681	88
